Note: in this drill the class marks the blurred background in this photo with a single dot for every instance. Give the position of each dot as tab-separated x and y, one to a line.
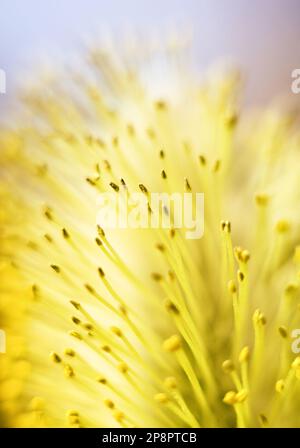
261	36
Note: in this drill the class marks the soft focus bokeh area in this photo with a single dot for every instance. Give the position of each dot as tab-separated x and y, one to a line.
261	36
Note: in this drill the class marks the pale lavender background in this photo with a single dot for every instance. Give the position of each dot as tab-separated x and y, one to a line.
262	36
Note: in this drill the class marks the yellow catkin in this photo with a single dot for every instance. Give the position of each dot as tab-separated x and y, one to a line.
144	317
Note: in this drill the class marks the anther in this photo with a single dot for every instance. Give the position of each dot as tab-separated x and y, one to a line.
231	119
118	415
161	154
161	398
68	371
122	367
259	318
37	404
75	304
65	233
245	256
228	366
107	165
143	188
100	231
241	396
156	276
282	226
101	272
55	268
226	226
101	380
291	288
48	238
172	344
130	130
217	166
170	382
117	331
283	331
35	290
90	181
240	275
170	306
106	348
114	186
244	355
279	386
296	363
230	398
231	287
75	335
98	242
55	357
151	133
261	199
48	213
160	105
122	310
89	288
76	320
109	403
263	419
202	160
187	184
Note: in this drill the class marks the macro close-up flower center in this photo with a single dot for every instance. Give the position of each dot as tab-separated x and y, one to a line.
140	325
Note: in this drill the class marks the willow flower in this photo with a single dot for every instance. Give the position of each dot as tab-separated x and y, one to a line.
143	327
